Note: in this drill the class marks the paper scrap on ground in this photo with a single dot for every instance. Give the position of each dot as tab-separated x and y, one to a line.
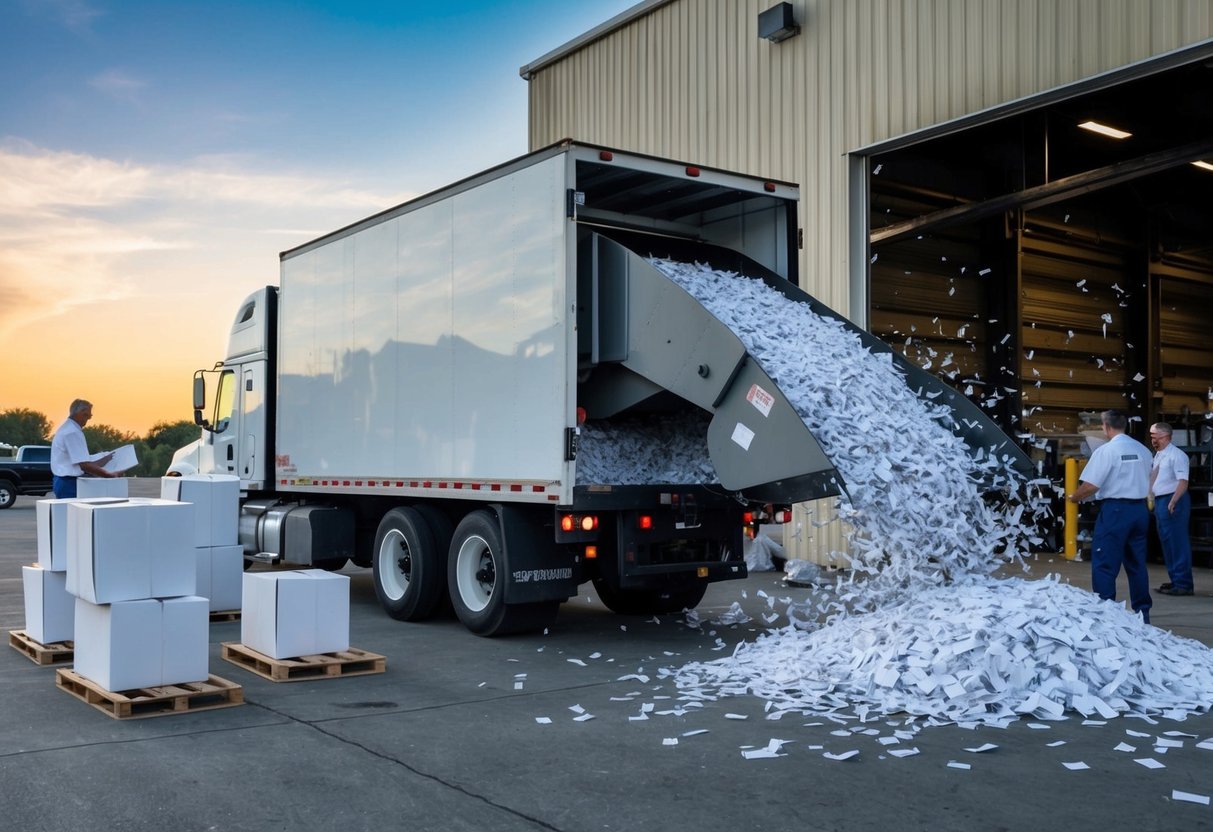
1189	797
1149	762
845	755
1078	766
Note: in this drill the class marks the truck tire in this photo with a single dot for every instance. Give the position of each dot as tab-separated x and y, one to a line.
407	566
649	601
8	493
476	573
443	530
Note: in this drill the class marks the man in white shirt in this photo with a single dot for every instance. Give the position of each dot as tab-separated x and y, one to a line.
1172	508
1119	470
69	452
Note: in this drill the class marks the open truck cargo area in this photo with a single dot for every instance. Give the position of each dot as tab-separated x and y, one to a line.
489	395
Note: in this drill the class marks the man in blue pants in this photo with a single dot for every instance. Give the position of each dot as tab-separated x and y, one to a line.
1119	470
1172	508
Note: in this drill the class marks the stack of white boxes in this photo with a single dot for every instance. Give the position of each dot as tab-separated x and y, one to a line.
131	567
50	610
218	557
303	612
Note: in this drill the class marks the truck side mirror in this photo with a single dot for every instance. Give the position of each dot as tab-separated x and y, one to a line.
199	393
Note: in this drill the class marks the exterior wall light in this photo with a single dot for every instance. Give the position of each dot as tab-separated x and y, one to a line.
777	23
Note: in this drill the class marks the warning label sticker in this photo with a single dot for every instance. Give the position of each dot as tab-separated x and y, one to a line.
761	399
743	436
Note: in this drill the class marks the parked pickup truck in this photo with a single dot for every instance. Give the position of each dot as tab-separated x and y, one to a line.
29	474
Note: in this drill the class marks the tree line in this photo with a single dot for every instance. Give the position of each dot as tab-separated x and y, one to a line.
22	426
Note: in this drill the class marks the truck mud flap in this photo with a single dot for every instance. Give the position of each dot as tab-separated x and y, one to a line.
539	570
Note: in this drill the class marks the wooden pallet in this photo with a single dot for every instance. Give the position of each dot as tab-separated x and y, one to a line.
351	662
39	653
225	615
210	695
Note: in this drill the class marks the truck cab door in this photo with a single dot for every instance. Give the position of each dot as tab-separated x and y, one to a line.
252	446
227	420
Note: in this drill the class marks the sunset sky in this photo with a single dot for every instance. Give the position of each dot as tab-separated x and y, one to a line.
155	157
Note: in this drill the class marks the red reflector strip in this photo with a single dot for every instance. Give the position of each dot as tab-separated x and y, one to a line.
515	487
495	487
475	486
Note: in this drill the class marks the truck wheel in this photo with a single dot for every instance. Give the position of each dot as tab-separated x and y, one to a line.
443	530
649	601
476	576
8	493
407	566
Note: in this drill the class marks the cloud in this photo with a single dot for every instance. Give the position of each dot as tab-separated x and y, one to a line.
118	85
77	230
76	15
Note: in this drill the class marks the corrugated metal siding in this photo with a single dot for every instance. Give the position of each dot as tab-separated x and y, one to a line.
692	81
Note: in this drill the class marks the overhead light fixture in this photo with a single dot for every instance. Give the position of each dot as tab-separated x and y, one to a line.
777	23
1203	164
1104	130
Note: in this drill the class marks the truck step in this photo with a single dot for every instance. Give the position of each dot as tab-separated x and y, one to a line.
210	695
351	662
39	653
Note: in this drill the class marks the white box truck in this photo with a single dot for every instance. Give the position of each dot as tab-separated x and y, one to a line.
416	393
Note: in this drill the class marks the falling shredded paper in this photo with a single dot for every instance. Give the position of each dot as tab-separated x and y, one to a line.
918	625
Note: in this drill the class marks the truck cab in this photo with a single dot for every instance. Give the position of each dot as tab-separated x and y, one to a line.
231	402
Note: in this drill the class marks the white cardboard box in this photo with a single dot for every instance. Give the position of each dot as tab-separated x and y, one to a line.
216	499
186	645
145	643
51	520
129	549
50	610
102	487
219	572
296	613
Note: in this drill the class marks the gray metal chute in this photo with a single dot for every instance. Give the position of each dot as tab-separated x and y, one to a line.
663	340
979	432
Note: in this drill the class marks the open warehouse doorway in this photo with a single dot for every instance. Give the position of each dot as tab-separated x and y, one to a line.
1054	258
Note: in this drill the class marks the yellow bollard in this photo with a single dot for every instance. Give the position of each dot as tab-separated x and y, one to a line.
1071	526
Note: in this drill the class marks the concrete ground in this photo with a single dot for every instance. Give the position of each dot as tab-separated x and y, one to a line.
448	739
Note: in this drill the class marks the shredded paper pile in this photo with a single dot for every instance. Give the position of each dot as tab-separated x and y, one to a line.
918	625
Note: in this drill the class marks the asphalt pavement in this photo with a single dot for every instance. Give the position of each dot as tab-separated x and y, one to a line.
450	737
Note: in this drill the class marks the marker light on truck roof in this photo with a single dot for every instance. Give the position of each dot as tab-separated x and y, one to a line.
606	155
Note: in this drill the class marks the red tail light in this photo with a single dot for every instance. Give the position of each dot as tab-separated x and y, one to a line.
747	517
645	521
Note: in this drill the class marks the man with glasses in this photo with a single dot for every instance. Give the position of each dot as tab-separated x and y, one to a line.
1172	508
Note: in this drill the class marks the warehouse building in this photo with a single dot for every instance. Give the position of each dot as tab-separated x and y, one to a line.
1016	194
